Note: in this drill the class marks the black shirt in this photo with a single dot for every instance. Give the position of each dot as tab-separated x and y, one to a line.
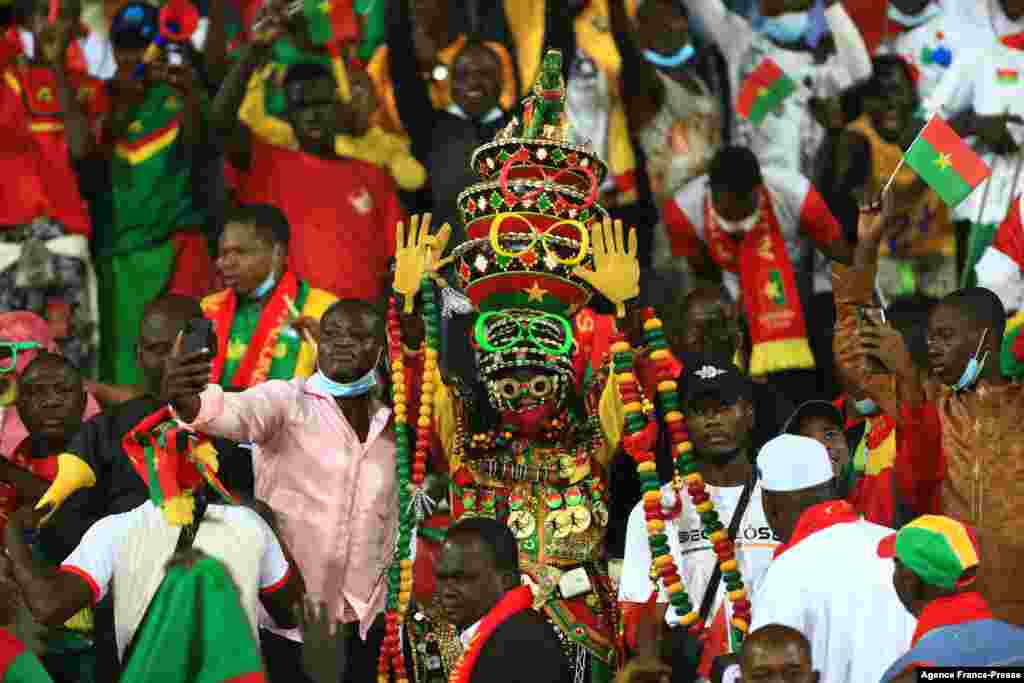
524	649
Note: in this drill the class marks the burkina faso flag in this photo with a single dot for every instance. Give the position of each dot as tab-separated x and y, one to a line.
764	91
945	162
331	21
195	630
17	664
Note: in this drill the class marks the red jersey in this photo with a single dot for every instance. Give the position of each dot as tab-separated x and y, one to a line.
33	151
342	214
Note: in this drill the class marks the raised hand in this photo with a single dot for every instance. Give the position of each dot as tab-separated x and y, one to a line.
185	377
616	272
54	40
416	253
875	223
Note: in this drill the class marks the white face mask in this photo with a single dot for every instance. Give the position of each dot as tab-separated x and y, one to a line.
738	227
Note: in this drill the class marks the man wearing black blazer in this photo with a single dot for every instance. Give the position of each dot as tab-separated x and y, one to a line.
503	637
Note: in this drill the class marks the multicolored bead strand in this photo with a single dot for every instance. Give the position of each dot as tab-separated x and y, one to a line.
641	435
410	475
686	468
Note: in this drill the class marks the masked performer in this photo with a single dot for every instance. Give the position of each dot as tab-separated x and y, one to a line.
531	443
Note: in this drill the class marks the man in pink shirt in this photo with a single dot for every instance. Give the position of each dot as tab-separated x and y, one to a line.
324	461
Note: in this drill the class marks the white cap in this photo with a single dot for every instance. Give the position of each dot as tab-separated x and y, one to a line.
791	463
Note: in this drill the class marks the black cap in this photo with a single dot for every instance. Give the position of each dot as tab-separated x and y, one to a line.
713	377
813	409
135	26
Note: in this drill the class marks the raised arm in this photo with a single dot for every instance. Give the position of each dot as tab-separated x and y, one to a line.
728	30
215	49
53	49
642	90
851	52
854	288
412	99
252	416
233	136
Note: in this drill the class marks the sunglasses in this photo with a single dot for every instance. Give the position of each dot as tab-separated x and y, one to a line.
9	353
507	331
539	387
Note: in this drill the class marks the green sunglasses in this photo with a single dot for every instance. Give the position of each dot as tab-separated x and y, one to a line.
9	353
529	331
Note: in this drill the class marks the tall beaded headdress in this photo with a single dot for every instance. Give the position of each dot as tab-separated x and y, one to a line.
527	227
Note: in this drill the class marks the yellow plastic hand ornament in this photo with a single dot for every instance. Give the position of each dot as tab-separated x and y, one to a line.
417	253
616	272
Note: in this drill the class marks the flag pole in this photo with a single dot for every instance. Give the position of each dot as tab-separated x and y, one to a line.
988	181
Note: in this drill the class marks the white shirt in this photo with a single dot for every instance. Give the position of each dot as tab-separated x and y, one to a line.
131	550
693	552
948	30
833	588
798	220
791	140
466	636
974	84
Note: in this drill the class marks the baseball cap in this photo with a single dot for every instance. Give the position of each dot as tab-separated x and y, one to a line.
812	409
793	463
713	377
135	25
940	550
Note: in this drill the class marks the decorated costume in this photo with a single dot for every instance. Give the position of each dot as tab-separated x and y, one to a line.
533	453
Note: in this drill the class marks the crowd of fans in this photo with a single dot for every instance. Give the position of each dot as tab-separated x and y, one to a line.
203	213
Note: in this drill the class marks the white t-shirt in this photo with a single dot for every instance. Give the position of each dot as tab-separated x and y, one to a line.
833	588
131	551
791	140
799	208
947	30
693	552
991	83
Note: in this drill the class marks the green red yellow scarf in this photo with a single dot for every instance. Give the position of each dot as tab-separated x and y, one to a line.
172	462
511	604
770	296
259	354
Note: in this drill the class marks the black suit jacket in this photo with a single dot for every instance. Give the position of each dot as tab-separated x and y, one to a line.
524	649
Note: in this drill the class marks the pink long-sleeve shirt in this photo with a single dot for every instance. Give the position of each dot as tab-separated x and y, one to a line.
335	497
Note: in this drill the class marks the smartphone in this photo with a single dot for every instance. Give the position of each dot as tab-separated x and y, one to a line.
873	316
198	336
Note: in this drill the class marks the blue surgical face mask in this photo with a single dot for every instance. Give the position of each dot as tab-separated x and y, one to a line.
914	20
974	367
267	286
865	407
360	387
786	28
672	61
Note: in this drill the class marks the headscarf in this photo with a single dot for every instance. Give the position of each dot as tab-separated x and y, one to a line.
195	630
25	326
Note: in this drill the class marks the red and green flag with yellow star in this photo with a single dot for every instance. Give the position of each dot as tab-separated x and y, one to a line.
764	91
944	161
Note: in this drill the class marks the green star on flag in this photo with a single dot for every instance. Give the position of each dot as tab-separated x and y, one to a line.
945	162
